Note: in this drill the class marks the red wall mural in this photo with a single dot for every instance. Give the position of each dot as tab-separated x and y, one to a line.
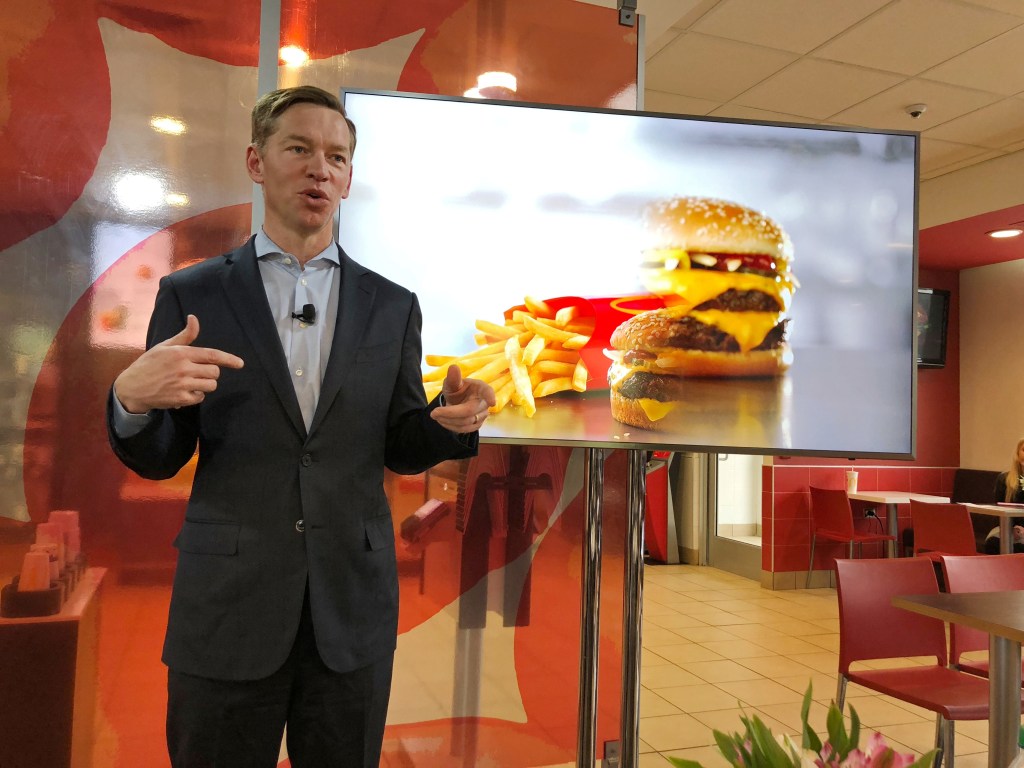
98	206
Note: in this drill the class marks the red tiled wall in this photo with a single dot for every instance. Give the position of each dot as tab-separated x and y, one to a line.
785	496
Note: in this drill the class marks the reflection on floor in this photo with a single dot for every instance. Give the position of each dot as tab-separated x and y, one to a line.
712	639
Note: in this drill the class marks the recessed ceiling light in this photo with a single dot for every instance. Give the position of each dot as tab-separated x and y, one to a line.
171	125
293	56
1004	233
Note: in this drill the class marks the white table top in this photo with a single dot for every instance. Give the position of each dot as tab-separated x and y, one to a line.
995	510
897	497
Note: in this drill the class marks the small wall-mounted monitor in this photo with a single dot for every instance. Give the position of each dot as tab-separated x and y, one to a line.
932	319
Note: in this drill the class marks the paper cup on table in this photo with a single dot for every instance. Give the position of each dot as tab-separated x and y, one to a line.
67	519
52	533
35	572
51	551
851	481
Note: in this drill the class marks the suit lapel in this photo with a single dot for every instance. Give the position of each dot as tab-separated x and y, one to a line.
355	299
248	300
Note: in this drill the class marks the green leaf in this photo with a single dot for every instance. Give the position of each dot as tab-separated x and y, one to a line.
925	761
681	763
808	738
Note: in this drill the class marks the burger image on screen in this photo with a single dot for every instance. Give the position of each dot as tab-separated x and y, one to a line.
723	271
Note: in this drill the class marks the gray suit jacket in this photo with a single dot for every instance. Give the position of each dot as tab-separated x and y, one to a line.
243	563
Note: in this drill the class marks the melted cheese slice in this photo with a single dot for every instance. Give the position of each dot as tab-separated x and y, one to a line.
748	328
655	409
695	286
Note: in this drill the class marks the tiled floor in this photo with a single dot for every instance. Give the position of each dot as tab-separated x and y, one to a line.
714	642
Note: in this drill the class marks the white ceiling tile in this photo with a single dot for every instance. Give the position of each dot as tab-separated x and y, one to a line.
910	36
760	115
936	154
653	46
973	160
996	126
996	65
816	89
887	110
659	101
1006	6
710	67
773	23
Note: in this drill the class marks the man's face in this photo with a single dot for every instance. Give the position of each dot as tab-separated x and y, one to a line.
305	169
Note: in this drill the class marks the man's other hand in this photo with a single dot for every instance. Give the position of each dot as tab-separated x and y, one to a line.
172	373
466	402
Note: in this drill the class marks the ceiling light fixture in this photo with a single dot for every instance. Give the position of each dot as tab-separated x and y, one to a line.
1002	234
493	85
293	56
169	125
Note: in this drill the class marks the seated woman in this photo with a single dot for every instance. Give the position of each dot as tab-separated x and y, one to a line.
1009	488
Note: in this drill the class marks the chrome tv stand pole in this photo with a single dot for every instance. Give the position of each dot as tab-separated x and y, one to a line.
633	608
590	609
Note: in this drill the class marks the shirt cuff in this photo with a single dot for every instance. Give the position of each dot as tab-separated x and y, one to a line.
129	424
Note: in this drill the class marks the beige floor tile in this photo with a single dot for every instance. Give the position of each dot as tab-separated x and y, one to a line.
655	636
823	685
698	698
758	692
878	711
822	661
705	633
728	720
687	652
666	676
790	646
654	705
776	667
653	760
673	620
643	747
789	715
723	619
712	639
675	732
720	671
829	641
794	627
736	649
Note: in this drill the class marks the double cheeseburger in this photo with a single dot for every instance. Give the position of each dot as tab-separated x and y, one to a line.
723	271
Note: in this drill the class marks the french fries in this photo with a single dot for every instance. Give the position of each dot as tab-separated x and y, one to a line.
533	354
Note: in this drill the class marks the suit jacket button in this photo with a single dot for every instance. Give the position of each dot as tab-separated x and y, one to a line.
300	526
307	459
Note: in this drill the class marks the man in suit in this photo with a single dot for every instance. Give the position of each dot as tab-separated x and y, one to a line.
297	373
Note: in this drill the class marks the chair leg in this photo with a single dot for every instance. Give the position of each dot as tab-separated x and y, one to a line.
849	549
841	692
810	565
948	743
939	733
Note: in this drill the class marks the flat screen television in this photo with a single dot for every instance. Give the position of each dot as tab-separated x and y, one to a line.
514	220
932	322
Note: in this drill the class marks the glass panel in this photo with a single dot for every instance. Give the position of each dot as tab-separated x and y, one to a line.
739	498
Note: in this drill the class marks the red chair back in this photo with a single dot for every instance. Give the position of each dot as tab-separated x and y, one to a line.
983	573
945	528
830	511
870	626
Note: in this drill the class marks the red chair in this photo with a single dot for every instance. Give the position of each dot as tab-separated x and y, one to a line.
870	627
984	573
941	529
832	520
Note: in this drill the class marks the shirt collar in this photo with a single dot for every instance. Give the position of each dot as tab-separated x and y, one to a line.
265	247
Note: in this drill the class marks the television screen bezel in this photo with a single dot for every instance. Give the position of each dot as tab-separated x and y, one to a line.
677	446
940	361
